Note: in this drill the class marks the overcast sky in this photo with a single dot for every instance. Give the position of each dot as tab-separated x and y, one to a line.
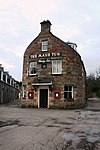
75	21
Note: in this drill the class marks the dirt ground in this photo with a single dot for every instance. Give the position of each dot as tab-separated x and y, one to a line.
50	129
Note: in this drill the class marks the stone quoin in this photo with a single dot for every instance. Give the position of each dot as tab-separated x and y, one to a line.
54	75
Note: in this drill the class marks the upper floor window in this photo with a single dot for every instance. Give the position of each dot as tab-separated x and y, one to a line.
45	45
57	67
0	75
32	68
68	92
4	78
8	80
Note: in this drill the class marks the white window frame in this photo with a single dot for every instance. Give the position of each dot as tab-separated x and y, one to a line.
56	67
1	75
34	66
68	91
44	46
24	91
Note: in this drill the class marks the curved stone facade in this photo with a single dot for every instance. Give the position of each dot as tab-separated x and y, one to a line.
53	73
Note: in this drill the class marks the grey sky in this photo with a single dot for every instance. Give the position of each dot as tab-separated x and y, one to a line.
72	20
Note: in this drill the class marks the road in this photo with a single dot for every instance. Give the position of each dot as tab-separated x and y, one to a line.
50	129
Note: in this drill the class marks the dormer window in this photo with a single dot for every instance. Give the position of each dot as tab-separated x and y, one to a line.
44	46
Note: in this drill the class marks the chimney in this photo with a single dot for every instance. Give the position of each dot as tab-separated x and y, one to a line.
45	26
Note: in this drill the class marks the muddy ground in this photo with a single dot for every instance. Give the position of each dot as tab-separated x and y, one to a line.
50	129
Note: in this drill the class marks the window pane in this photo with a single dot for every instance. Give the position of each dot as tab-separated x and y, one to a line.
32	69
65	88
45	42
44	45
33	64
54	69
59	62
57	66
0	75
68	92
65	94
70	88
54	63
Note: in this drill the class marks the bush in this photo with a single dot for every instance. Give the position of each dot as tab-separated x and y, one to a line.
98	93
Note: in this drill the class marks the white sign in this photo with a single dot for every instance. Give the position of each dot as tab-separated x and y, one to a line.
43	55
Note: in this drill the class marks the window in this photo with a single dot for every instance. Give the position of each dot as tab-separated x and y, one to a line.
32	68
8	80
45	45
4	78
56	66
68	92
0	75
24	91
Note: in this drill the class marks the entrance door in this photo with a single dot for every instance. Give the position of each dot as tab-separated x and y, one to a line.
44	98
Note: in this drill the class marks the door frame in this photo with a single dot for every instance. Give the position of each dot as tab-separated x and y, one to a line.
42	87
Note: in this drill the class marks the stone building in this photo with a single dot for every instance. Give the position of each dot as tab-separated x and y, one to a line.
53	73
8	87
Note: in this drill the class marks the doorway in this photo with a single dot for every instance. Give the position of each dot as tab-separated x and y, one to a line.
43	98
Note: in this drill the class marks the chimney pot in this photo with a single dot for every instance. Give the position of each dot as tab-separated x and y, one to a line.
45	26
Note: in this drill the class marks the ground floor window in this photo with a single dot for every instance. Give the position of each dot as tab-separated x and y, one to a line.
68	91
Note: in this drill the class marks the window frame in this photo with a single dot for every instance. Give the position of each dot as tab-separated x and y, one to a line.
44	46
68	91
56	66
30	68
0	75
24	91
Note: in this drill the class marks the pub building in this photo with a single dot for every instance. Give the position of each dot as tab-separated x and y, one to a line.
54	75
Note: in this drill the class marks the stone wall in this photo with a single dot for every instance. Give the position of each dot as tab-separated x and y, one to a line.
73	71
7	92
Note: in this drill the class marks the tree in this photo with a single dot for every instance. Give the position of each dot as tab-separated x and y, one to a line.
93	82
